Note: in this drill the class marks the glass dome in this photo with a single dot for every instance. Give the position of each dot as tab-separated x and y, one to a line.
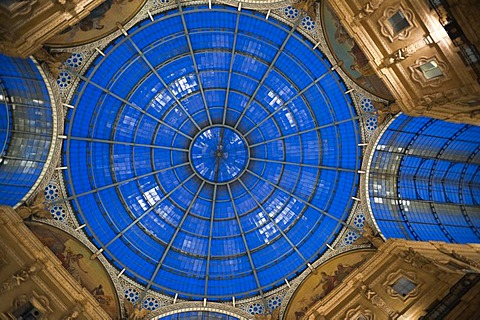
218	154
212	153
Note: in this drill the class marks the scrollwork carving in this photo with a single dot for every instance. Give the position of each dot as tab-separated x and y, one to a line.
134	312
405	276
452	253
20	301
369	235
377	301
37	209
32	300
369	8
18	278
418	76
308	6
458	97
54	61
417	260
398	56
386	29
72	316
17	8
358	313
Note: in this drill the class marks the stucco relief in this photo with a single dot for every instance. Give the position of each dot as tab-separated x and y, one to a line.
394	277
386	28
419	76
359	313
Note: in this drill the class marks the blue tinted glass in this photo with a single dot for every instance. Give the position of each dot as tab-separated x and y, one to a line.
198	315
214	164
423	181
26	128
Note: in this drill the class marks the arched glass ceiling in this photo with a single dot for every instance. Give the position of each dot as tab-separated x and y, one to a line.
212	153
26	128
424	181
4	121
199	315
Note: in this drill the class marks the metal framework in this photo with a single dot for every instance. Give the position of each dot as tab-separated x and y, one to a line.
423	181
158	90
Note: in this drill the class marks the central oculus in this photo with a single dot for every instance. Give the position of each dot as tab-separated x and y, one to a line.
219	154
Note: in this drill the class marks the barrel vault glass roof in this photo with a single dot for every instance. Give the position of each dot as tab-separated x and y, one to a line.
211	153
198	315
424	181
26	128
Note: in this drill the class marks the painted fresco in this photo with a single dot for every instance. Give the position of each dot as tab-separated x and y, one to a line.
328	276
75	258
99	23
355	63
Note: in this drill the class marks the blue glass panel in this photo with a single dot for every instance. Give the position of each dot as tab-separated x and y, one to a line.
199	315
25	128
208	163
423	178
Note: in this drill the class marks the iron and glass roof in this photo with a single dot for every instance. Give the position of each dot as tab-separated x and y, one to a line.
424	181
211	153
199	315
26	128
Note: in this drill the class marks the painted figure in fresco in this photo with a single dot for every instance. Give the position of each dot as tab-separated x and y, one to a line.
360	64
301	313
74	258
92	21
99	294
98	291
341	272
71	262
327	283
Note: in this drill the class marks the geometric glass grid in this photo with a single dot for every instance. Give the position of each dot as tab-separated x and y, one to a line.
218	154
4	121
159	106
424	181
199	315
25	128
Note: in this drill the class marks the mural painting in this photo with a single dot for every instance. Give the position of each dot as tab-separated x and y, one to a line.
327	276
99	23
355	63
75	258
